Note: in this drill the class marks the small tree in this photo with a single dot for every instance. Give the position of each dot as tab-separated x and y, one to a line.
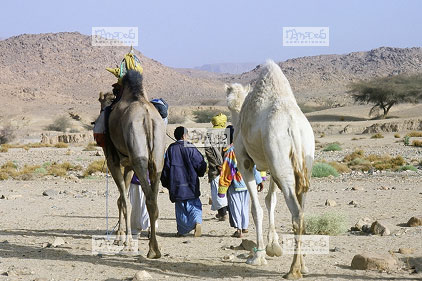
386	92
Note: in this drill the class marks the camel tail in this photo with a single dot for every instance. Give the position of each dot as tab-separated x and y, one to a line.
300	171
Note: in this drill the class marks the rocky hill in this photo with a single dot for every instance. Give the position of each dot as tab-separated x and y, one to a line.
61	70
326	77
49	73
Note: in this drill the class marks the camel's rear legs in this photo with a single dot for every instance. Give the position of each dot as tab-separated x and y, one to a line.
273	247
150	190
245	166
286	183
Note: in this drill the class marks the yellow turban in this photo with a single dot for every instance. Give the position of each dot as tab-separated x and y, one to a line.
130	62
219	121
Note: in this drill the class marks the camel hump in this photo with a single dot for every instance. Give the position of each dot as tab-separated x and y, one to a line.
273	80
134	80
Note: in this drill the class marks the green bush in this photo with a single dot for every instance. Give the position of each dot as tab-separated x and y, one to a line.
408	168
326	224
321	170
333	147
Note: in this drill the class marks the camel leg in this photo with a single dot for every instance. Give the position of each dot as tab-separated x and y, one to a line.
127	207
151	193
120	231
286	183
257	214
152	207
301	198
273	247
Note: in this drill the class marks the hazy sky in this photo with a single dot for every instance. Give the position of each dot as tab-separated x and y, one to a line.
187	33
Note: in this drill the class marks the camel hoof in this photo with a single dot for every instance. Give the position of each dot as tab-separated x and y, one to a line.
273	249
154	254
293	276
304	270
256	260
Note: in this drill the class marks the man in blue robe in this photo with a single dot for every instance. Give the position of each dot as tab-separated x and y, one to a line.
183	166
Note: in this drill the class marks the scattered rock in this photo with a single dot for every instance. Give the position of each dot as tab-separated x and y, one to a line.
357	188
336	249
50	192
58	241
414	221
142	275
384	188
361	223
374	262
3	197
228	258
248	245
353	202
406	251
330	203
380	228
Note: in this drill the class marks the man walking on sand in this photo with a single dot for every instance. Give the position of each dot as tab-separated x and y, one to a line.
183	165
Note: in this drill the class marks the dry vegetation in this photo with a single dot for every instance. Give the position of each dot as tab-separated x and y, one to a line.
358	161
10	170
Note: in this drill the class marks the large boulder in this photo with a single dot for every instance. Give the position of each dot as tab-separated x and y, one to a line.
380	228
374	262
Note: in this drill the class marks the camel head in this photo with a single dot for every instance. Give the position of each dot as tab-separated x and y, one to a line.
236	95
106	99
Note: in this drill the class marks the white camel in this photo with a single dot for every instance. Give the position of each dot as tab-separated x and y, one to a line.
272	132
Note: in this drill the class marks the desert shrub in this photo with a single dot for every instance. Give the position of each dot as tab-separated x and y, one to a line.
322	135
340	167
8	170
4	148
355	138
417	143
176	119
60	124
415	134
333	147
321	170
359	153
397	136
406	140
96	166
204	116
7	134
358	161
407	168
61	145
377	136
326	224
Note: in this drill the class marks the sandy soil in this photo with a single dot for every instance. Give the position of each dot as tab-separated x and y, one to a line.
28	220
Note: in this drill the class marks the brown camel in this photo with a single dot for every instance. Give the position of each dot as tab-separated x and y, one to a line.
136	142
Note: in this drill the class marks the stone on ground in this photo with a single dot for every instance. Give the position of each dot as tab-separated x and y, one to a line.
330	202
374	262
380	228
414	221
142	275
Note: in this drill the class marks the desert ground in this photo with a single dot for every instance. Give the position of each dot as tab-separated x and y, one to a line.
75	210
